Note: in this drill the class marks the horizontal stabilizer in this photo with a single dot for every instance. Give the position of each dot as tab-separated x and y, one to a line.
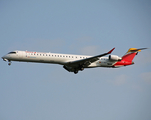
132	50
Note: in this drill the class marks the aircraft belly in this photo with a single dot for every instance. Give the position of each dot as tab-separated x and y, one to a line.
105	64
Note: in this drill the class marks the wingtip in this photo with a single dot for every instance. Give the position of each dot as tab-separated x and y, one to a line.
111	51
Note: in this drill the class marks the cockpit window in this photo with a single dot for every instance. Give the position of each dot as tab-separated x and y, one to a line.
12	53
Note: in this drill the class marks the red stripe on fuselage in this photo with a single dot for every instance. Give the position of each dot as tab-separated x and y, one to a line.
123	63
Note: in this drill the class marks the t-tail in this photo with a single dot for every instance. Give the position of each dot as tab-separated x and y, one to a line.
127	59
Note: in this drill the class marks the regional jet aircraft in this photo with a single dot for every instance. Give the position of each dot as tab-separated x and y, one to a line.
74	63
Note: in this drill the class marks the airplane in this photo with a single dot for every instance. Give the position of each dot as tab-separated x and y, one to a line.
74	63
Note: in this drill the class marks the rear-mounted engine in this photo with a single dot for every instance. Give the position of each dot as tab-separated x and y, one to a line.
114	58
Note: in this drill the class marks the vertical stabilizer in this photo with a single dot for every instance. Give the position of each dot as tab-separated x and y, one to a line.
130	54
129	57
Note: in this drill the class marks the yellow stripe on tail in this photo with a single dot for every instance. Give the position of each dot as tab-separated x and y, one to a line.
131	50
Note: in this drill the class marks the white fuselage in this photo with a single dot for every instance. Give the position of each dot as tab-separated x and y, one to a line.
55	58
74	63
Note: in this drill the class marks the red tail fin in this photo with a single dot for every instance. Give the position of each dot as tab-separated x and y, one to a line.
129	57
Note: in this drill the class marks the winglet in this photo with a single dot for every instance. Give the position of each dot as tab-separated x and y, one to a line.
111	51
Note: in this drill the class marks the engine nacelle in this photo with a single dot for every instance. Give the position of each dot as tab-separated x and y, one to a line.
114	58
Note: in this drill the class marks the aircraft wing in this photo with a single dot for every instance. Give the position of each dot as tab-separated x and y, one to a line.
86	62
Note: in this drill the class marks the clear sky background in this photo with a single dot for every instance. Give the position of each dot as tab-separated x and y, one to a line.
32	91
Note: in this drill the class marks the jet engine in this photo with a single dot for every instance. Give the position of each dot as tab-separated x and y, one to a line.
114	58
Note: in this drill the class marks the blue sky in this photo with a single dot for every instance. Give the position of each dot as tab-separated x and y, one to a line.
45	91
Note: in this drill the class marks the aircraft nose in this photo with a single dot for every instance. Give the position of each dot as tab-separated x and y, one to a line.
4	57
